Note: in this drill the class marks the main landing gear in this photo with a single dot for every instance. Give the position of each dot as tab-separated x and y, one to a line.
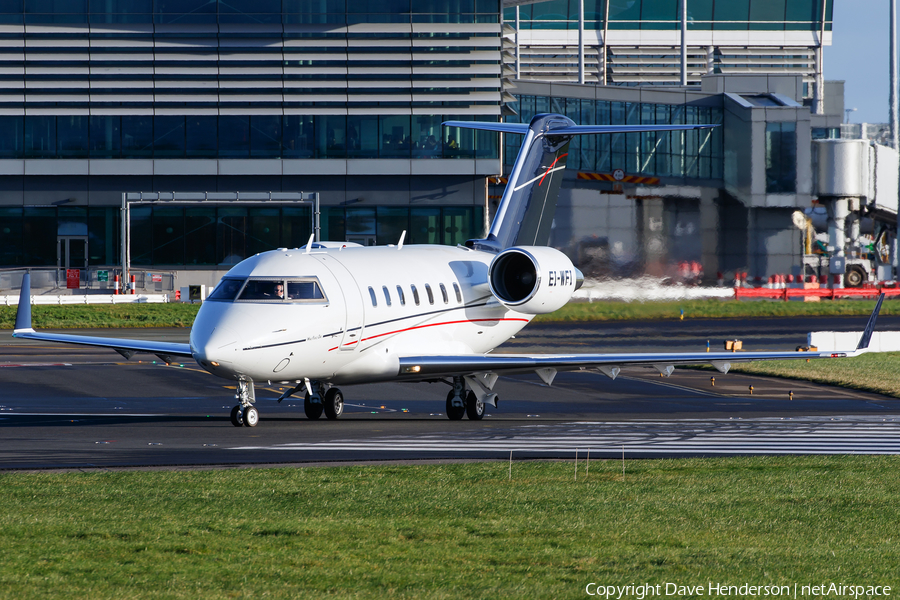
457	406
327	400
245	413
330	400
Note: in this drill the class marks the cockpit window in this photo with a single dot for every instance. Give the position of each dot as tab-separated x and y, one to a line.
304	290
227	290
281	290
263	289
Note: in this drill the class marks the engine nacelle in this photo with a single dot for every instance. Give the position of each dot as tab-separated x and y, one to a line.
533	279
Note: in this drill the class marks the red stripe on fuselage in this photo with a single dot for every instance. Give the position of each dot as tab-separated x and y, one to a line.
424	326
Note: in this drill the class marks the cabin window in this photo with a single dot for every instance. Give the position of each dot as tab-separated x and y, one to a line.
401	295
387	295
372	295
227	290
458	293
444	294
415	294
430	295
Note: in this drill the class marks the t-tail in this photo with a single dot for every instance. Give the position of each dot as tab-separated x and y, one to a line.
526	211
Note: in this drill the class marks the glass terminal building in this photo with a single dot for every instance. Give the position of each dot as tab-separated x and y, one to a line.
345	98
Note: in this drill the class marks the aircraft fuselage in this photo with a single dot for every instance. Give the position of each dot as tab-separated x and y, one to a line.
371	306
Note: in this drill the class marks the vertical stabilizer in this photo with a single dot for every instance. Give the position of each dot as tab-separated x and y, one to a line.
526	211
23	311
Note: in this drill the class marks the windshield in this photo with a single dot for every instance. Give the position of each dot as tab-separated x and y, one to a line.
266	289
304	290
278	290
227	290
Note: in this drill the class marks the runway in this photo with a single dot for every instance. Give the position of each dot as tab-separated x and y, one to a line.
68	407
790	435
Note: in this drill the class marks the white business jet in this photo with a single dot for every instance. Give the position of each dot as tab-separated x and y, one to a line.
335	313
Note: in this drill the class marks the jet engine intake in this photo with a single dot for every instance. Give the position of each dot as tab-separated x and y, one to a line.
533	279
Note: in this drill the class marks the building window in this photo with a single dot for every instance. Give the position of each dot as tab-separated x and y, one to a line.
781	158
238	136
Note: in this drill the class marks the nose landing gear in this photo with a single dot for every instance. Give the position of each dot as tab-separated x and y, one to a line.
245	413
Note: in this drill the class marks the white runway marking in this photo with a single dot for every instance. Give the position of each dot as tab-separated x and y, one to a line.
806	435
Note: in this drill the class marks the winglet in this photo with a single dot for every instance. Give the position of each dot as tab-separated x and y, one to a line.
870	326
23	312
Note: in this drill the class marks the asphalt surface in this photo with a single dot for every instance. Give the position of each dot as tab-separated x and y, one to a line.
70	407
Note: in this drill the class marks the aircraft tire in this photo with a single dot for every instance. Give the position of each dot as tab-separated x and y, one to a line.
237	416
454	413
312	409
251	416
474	407
334	403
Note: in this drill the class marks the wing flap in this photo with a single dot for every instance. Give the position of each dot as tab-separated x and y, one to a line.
422	367
414	368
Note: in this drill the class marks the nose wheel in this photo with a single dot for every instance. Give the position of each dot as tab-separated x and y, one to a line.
237	416
251	416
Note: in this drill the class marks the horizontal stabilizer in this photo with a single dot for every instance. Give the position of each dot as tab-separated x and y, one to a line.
528	206
522	128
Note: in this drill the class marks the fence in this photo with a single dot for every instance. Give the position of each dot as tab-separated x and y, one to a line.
94	279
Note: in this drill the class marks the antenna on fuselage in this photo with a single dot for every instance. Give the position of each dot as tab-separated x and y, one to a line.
309	244
400	243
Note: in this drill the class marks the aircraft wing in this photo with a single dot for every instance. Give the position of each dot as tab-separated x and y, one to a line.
547	365
166	351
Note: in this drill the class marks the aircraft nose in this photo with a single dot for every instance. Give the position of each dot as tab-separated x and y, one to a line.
215	348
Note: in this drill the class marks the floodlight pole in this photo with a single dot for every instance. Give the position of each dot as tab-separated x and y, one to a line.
684	42
581	42
895	246
893	79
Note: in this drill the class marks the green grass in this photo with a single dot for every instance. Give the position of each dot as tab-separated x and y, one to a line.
449	531
105	315
877	372
711	309
182	315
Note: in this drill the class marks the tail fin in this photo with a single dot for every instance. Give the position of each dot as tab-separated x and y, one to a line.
870	326
23	311
526	210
